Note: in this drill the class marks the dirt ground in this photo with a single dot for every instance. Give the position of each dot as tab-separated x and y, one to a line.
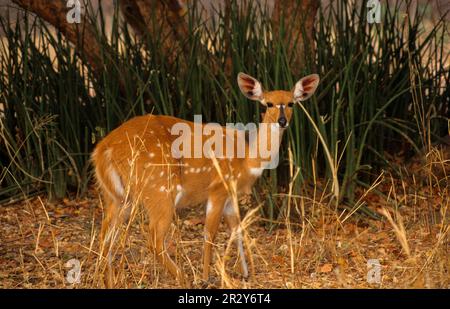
322	248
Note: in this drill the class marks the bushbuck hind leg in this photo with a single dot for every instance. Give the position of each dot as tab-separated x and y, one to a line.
214	212
161	213
110	211
108	237
233	222
115	214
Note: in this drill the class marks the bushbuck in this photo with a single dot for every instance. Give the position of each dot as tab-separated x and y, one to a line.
138	163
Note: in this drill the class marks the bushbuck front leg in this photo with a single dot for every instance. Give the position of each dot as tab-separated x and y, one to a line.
214	212
160	220
233	221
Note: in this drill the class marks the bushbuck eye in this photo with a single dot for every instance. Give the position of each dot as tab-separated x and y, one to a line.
291	104
269	104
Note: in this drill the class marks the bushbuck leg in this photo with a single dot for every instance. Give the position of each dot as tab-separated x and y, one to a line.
160	222
233	222
214	211
114	217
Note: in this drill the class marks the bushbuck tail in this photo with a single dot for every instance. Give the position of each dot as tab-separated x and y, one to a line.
138	163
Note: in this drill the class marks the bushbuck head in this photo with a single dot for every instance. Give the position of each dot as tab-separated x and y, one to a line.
279	103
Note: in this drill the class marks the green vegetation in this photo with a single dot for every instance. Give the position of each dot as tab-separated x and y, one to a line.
384	89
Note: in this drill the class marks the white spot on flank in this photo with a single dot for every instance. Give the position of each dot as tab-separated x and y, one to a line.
256	171
179	188
161	174
192	170
151	155
162	189
198	170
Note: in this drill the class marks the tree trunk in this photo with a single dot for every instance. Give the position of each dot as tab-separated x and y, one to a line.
82	35
293	24
164	18
139	14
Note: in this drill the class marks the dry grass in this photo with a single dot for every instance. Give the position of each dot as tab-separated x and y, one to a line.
317	248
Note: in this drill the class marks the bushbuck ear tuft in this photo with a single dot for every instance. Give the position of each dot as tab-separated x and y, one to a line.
306	87
250	87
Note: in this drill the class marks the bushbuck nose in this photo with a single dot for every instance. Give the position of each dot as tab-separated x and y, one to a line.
282	121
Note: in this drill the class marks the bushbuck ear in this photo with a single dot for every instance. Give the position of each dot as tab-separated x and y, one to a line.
306	87
250	87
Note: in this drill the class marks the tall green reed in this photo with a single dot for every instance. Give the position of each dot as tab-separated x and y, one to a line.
55	108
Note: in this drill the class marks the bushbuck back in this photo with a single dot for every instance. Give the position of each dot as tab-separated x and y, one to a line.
142	162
